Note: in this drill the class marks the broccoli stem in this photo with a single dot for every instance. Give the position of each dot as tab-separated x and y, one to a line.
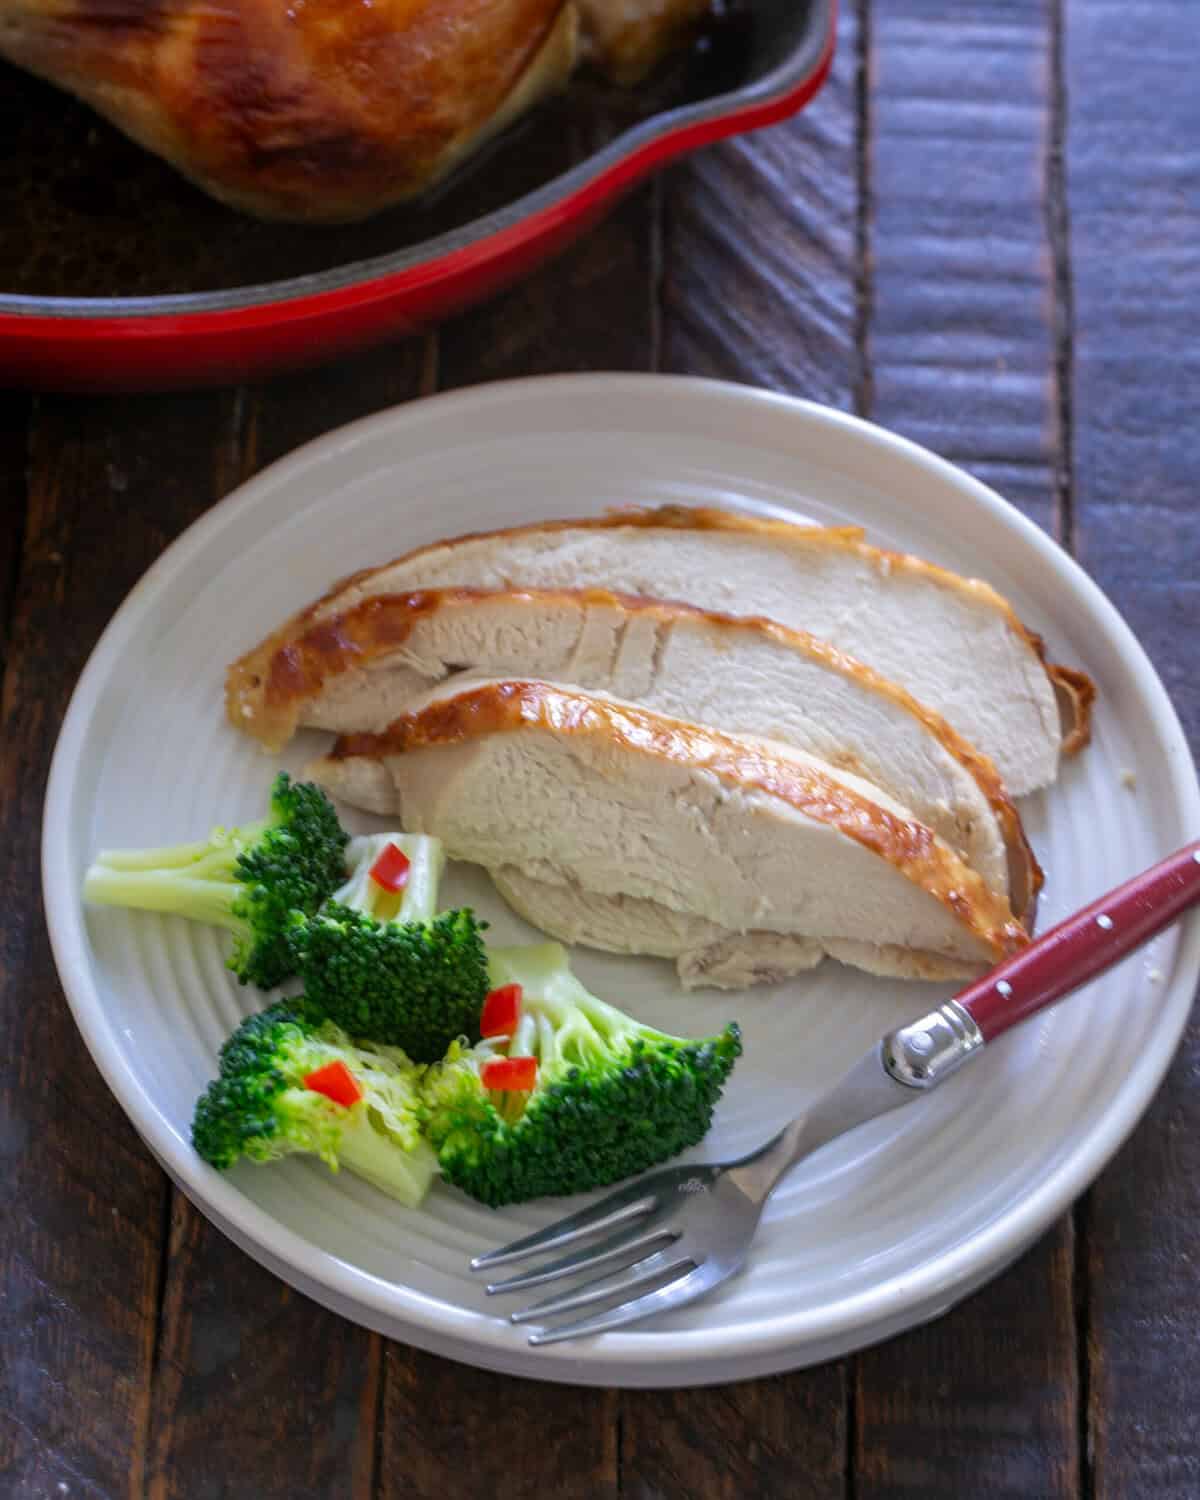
542	970
417	902
427	861
187	880
220	849
370	1153
522	1044
532	1038
539	968
249	880
181	892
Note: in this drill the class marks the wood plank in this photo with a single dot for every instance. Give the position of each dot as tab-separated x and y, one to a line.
1133	167
759	284
982	1402
962	326
776	1439
450	1430
257	1390
275	417
962	339
285	1391
759	275
84	1202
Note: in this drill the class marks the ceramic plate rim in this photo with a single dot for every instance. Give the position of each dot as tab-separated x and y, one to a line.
762	1344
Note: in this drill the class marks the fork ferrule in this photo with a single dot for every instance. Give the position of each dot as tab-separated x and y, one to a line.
927	1050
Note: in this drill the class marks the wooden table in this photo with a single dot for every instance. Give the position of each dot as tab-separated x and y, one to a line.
986	235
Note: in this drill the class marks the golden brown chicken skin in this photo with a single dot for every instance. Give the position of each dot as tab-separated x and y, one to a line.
300	109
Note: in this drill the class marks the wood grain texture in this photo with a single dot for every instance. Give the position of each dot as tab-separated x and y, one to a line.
759	273
784	1438
283	1391
962	325
82	1224
1133	167
982	1402
274	418
961	335
451	1431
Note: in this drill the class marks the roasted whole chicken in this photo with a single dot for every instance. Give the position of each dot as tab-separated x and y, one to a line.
327	110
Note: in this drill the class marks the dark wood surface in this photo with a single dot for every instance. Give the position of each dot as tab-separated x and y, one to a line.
985	234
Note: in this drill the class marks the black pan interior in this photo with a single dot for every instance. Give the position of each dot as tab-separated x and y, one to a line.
85	213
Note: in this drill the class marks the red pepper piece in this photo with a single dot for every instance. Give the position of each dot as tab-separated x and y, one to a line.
336	1082
512	1073
501	1011
390	870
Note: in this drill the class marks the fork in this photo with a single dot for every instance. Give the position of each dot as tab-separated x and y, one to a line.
674	1235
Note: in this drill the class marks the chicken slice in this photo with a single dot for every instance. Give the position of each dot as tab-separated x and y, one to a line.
577	789
706	955
360	669
953	643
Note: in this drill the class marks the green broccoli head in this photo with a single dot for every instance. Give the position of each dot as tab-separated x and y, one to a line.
382	964
249	880
259	1107
612	1097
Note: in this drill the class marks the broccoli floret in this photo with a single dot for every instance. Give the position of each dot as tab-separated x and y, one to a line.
612	1097
259	1107
382	964
247	879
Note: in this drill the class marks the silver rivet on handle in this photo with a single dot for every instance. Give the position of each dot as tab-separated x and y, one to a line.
923	1053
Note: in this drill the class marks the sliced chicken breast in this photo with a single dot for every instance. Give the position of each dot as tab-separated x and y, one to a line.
952	642
360	669
575	789
706	955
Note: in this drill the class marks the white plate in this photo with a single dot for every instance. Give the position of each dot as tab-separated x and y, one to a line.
883	1229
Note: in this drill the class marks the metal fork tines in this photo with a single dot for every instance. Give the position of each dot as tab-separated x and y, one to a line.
628	1203
646	1264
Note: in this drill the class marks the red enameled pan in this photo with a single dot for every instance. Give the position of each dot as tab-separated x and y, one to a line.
221	318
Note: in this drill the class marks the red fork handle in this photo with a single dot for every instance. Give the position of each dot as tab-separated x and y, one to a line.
1085	944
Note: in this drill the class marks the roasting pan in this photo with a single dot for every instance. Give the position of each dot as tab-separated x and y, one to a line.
115	273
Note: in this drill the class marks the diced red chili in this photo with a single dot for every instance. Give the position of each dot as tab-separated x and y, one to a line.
336	1082
390	870
512	1073
501	1011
